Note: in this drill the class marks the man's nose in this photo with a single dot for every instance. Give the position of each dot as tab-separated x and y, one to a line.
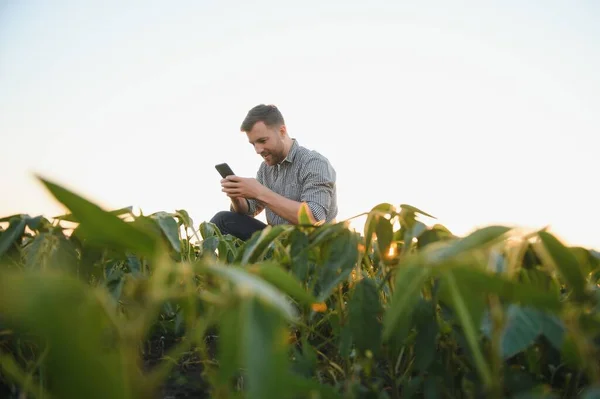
258	149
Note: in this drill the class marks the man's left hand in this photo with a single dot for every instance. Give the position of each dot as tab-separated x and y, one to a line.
246	187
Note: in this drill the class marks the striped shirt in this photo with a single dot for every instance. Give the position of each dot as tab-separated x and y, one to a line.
303	176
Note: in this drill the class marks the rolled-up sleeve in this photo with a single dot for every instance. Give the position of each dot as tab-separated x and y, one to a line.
318	184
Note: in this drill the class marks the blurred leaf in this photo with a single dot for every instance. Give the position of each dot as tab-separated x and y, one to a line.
305	217
469	326
103	227
229	349
15	230
385	233
339	257
169	227
434	234
299	254
258	244
248	285
208	229
475	240
86	362
38	223
427	330
264	346
513	291
310	388
364	310
185	218
73	218
51	251
372	220
412	209
284	281
407	291
566	264
523	326
592	392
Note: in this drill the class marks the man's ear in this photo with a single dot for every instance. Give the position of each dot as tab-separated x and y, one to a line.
282	131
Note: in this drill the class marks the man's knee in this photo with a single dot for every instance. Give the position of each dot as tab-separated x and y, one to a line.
220	217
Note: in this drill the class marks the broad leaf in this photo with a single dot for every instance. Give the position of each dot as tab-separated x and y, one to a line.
364	311
469	325
249	285
15	230
284	281
407	291
258	244
86	362
101	226
566	263
264	346
169	227
51	251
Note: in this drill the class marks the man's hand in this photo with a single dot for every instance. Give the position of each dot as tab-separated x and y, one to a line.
245	187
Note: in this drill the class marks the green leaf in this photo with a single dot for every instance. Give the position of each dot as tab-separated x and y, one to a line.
169	227
185	218
475	240
372	220
264	346
305	216
258	244
364	311
229	346
339	257
83	362
427	330
566	264
469	326
284	281
412	209
385	233
523	326
73	218
407	291
310	388
592	392
248	286
51	251
524	294
15	230
299	254
103	227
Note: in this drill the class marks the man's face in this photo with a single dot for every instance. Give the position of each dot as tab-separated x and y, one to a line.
268	142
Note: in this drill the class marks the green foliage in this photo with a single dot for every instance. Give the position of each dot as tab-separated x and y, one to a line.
101	303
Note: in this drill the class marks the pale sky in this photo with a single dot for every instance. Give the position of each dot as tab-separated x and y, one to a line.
476	112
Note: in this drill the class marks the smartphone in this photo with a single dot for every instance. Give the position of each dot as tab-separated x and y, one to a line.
224	170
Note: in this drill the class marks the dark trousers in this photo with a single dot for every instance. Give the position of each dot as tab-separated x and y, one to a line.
238	225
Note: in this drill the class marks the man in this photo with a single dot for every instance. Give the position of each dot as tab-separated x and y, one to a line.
288	176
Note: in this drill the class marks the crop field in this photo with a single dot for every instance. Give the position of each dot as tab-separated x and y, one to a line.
111	304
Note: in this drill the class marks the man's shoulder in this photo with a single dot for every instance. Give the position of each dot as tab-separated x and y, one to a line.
306	155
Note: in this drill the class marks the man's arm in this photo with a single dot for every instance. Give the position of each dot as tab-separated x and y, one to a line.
318	181
240	205
282	206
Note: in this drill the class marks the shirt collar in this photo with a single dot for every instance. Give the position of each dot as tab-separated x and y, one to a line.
292	152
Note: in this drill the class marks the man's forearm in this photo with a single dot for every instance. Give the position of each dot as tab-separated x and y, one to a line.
282	206
240	205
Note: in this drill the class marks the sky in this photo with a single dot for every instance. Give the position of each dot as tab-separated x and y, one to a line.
476	112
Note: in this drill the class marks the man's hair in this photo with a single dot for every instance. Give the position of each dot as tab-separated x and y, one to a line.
268	114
